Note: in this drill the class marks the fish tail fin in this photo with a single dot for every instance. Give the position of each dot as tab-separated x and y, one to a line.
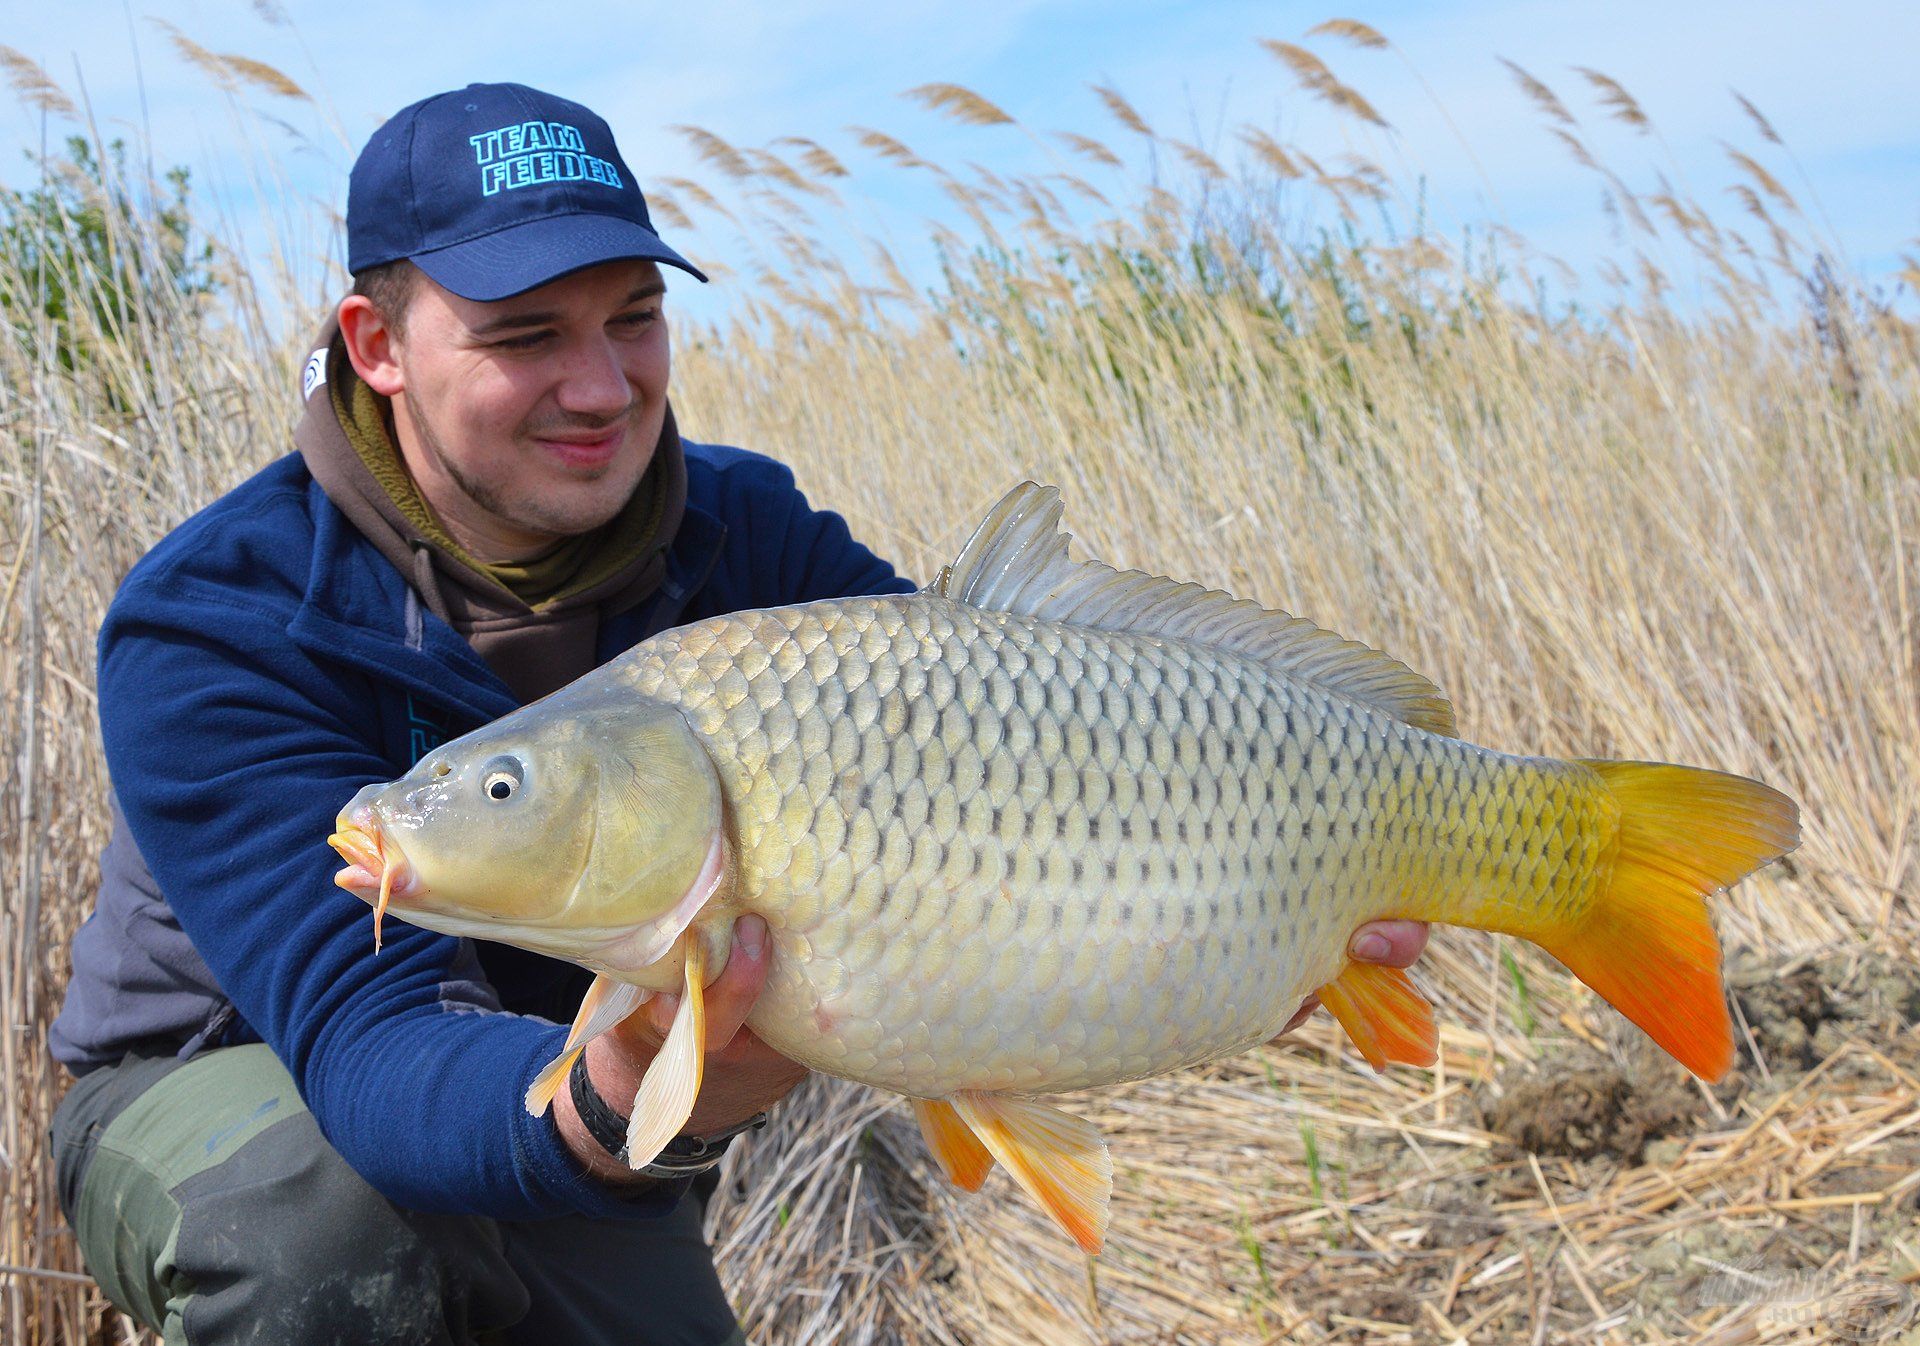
1646	943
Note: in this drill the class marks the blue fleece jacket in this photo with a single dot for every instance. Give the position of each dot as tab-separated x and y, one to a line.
263	663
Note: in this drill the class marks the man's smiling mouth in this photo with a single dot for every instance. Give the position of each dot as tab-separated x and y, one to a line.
580	451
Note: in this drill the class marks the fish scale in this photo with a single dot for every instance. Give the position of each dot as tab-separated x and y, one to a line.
1041	826
964	851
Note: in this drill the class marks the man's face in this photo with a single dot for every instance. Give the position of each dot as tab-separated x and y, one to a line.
528	419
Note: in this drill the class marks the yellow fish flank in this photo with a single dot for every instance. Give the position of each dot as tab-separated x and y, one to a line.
1042	826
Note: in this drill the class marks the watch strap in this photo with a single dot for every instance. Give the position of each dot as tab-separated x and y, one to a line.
681	1157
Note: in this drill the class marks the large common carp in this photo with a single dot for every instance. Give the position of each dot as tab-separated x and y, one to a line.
1040	826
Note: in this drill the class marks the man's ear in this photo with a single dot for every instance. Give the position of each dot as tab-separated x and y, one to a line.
371	345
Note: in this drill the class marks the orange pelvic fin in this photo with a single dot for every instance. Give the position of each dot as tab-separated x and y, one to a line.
1060	1159
1385	1016
606	1004
964	1160
1647	945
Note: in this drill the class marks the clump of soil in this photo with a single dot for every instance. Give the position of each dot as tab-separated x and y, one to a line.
1584	1104
1894	985
1801	1015
1784	1014
1587	1111
1373	1301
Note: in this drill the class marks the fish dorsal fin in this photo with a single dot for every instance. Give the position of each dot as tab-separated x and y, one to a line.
1016	561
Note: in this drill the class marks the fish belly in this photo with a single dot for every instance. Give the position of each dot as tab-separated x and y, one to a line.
1005	854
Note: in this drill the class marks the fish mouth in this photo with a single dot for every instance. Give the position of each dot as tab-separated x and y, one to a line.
375	872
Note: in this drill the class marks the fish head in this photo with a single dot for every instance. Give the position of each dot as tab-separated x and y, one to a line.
586	827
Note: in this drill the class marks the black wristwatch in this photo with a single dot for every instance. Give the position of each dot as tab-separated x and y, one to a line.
683	1156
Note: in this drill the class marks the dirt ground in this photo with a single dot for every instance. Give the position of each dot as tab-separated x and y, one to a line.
1761	1209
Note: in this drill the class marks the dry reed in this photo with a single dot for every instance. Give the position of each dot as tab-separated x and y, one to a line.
1685	533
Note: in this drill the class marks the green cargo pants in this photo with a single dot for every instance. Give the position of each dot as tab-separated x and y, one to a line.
209	1207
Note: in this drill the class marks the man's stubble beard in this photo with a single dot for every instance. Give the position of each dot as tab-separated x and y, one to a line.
526	514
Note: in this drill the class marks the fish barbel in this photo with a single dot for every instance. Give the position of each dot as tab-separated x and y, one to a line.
1041	826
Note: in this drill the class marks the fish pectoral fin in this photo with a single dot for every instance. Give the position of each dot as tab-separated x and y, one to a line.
1385	1016
547	1083
964	1160
672	1082
1060	1159
649	943
606	1004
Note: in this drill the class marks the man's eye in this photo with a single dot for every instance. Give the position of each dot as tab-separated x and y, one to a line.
521	343
638	319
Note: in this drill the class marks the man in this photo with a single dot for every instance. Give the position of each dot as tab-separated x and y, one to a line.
278	1135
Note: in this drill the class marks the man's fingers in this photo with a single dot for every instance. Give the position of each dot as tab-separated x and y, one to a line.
732	994
658	1013
728	997
1394	943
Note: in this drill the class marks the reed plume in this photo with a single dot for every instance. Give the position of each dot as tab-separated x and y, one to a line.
34	85
961	104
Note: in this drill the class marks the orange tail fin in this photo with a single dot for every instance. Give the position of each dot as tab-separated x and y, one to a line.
1647	945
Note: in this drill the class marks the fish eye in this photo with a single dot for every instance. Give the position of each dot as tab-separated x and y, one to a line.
502	779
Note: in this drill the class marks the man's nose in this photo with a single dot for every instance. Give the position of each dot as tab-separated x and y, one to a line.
594	382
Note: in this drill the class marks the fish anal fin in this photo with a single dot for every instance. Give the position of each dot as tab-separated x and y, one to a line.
1016	561
672	1082
605	1005
1387	1018
1060	1159
962	1157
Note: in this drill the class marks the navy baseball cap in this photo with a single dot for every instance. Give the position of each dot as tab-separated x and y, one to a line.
495	189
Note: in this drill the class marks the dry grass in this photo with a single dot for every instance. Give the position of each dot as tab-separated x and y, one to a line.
1649	530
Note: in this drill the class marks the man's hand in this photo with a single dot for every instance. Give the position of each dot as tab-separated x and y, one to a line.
1394	943
742	1075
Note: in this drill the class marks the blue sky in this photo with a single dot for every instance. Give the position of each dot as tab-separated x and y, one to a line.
1836	79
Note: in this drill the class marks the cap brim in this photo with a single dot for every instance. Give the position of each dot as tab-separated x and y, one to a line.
525	256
